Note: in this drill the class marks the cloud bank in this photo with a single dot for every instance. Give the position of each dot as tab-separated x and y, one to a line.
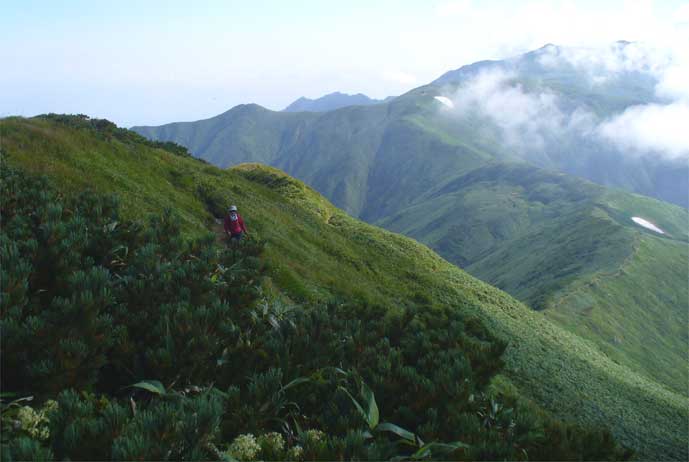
527	118
657	128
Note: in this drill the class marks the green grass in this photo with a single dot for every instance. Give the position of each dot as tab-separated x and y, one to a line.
543	236
447	181
651	338
316	252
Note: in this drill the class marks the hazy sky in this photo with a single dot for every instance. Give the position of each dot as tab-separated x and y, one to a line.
146	62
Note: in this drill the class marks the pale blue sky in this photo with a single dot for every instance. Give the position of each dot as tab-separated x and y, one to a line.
146	62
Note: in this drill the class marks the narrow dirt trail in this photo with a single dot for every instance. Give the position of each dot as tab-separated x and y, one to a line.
219	231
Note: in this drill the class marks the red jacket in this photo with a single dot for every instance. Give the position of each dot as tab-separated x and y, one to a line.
234	226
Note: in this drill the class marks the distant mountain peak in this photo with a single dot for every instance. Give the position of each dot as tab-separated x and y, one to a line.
330	102
528	62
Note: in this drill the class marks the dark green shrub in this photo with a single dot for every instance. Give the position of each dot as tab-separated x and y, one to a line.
107	130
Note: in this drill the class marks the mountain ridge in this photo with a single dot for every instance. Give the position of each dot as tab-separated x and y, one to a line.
570	377
332	101
389	161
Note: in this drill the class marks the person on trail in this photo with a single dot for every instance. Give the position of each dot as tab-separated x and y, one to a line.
234	224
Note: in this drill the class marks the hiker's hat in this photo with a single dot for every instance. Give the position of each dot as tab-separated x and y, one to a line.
233	208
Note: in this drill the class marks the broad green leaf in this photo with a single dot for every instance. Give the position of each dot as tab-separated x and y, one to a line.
399	431
295	382
340	371
356	403
422	453
436	449
154	386
451	446
120	247
372	415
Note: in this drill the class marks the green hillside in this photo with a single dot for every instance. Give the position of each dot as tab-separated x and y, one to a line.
414	167
360	142
569	248
315	253
370	160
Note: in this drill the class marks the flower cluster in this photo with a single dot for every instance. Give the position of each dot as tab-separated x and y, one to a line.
314	435
272	442
295	453
35	423
244	448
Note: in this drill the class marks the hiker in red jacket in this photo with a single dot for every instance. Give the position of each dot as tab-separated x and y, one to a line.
234	224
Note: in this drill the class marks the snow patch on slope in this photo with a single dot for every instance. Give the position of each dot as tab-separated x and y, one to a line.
647	224
446	101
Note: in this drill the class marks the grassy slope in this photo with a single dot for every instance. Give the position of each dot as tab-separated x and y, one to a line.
537	238
653	340
250	132
370	161
569	247
316	252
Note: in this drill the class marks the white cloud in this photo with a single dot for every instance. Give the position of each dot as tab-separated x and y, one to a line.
660	128
670	67
605	62
651	127
527	119
523	118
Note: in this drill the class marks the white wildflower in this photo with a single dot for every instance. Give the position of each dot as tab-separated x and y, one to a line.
244	448
295	453
272	441
314	435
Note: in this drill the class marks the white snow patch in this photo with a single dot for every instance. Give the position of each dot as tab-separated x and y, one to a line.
647	224
446	101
